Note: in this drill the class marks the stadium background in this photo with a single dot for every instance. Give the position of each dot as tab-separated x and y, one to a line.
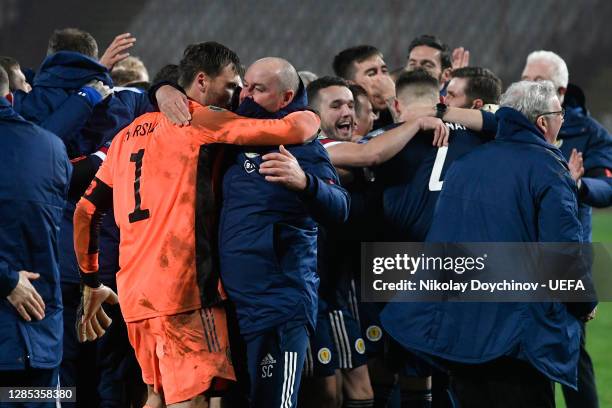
498	34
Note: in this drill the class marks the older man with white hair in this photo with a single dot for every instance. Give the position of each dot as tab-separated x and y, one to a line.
516	188
580	137
580	134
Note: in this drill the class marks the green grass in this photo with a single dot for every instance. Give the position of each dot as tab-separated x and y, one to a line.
599	331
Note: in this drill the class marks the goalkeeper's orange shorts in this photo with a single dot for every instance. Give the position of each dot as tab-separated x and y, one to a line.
180	355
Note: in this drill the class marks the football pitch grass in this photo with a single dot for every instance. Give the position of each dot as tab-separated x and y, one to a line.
599	331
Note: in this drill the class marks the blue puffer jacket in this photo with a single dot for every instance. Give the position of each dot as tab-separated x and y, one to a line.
59	77
34	178
268	234
55	104
581	132
514	189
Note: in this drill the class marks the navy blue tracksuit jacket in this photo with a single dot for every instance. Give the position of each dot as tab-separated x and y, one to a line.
514	189
34	178
55	104
581	132
268	234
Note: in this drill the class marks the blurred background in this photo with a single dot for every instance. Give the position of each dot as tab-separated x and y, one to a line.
498	34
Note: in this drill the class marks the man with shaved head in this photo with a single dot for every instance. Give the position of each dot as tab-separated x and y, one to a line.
273	201
271	82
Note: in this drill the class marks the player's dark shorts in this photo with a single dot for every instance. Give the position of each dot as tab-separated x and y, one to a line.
380	345
376	340
336	344
275	360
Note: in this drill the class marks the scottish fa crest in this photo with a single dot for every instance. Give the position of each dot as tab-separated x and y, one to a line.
249	167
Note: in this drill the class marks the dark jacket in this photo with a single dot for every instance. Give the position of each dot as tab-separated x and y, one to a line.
56	104
34	177
268	233
516	188
581	132
59	78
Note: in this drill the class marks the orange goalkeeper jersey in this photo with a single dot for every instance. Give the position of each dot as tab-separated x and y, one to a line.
151	172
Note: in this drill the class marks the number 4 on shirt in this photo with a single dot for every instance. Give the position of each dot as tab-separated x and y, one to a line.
435	180
138	214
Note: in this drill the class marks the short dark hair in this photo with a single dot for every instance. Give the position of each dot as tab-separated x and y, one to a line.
9	64
418	77
168	73
482	83
209	57
433	42
344	61
321	83
357	91
4	82
73	39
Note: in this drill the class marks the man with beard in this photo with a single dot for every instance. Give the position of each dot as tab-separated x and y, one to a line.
473	88
157	178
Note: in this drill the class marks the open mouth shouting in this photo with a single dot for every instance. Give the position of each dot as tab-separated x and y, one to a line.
344	128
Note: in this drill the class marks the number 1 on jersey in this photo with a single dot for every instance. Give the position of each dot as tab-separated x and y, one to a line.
138	214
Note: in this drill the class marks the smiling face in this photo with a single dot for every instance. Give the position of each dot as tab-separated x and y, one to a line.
337	109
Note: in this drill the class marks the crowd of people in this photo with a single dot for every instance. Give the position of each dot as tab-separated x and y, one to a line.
194	239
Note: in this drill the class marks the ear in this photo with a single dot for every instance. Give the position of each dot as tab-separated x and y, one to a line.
397	106
561	91
202	81
477	104
287	98
541	124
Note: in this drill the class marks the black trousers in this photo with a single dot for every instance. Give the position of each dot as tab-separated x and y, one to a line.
501	383
586	396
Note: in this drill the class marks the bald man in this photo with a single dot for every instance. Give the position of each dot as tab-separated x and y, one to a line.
273	201
271	82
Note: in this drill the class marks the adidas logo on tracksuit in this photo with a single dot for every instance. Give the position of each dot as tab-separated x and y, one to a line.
268	360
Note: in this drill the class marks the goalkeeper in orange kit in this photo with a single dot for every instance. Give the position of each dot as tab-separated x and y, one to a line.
154	175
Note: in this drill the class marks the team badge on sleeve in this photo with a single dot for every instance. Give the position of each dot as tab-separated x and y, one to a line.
374	333
324	355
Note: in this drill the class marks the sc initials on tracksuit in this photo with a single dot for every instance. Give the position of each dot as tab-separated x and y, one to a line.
267	366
